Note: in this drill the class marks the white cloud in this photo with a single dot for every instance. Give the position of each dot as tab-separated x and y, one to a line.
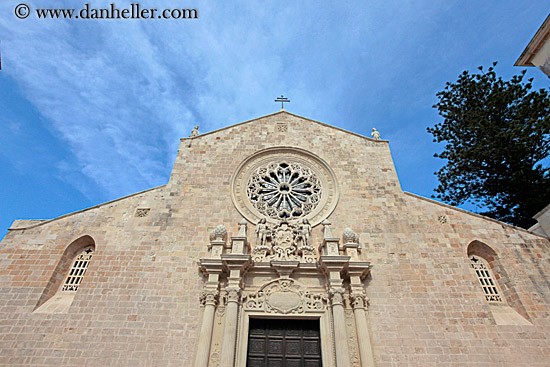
121	93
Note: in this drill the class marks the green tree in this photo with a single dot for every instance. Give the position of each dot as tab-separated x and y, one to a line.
497	145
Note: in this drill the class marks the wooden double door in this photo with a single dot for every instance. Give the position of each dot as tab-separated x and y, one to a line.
284	343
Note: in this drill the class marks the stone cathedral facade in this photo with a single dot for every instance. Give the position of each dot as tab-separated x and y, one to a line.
279	241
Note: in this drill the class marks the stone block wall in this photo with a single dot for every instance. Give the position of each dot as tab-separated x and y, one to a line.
138	304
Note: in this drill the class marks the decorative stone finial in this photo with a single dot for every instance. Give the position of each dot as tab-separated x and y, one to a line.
375	134
327	232
351	243
239	243
219	234
349	236
195	132
242	228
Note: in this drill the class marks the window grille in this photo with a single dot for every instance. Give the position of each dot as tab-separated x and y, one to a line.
282	127
142	212
486	280
78	269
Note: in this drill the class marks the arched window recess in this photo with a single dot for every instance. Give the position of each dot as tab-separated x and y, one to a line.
59	293
497	287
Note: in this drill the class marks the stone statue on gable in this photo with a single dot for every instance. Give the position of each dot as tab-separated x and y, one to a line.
195	132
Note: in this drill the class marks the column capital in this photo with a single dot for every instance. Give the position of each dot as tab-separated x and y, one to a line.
336	296
209	297
359	299
233	294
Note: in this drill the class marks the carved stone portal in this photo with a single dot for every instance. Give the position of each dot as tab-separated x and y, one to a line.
285	296
238	290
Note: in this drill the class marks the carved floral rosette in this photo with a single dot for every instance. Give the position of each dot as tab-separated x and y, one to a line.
284	296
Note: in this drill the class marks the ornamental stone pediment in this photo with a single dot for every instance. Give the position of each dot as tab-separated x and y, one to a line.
285	296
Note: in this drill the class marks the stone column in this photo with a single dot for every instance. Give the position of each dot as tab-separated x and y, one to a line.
212	268
360	304
340	333
230	328
358	271
333	266
205	336
237	264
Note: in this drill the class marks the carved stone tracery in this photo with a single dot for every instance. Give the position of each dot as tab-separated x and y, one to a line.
284	190
284	183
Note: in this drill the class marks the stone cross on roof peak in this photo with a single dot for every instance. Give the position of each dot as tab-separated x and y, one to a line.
282	99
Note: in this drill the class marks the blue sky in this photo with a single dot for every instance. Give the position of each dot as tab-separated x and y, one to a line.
92	110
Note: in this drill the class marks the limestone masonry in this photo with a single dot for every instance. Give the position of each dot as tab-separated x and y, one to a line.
279	241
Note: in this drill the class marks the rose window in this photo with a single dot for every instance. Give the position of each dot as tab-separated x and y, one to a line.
284	190
284	183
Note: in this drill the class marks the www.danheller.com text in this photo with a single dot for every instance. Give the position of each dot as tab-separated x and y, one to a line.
133	11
